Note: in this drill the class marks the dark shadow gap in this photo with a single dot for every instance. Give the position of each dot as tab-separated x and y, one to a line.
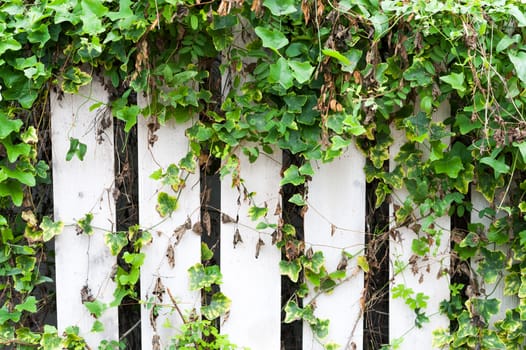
127	215
291	333
376	283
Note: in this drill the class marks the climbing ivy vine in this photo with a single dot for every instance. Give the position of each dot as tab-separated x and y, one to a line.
310	76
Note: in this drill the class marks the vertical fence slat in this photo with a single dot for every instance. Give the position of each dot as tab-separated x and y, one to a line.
81	187
253	284
495	290
336	196
169	147
426	279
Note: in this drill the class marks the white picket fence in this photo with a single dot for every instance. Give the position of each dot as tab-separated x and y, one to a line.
337	202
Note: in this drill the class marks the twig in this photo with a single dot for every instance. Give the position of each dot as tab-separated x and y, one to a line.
130	330
176	306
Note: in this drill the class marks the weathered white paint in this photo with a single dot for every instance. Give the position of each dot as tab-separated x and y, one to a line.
253	284
494	290
170	147
81	187
336	196
401	318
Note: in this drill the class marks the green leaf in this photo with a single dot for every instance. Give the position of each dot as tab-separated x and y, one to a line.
491	265
6	315
335	54
50	229
204	277
93	11
420	246
84	224
505	42
291	269
292	312
96	308
219	305
17	150
400	291
484	307
518	14
519	62
23	176
417	127
166	204
471	240
449	166
29	305
292	176
76	148
363	263
380	23
306	169
97	327
301	71
271	38
456	80
14	190
280	73
129	115
280	7
50	339
115	241
298	200
7	126
315	263
257	212
206	253
320	328
522	149
499	166
339	143
8	43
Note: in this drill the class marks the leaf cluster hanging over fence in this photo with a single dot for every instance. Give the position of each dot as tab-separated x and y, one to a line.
431	93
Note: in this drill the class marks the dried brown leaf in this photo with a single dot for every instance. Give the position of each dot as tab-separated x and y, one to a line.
159	289
258	247
227	219
179	232
278	210
237	237
197	228
207	222
309	253
277	236
333	229
342	265
85	294
305	8
170	256
156	341
188	223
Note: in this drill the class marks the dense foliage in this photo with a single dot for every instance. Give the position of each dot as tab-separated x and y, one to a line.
311	77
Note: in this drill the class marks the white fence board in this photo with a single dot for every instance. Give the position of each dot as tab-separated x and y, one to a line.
171	145
495	290
253	284
336	196
81	187
426	280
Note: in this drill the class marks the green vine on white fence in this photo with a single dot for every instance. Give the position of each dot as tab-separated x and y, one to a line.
323	74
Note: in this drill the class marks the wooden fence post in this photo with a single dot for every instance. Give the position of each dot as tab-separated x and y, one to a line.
250	268
83	263
174	249
491	290
430	275
334	223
